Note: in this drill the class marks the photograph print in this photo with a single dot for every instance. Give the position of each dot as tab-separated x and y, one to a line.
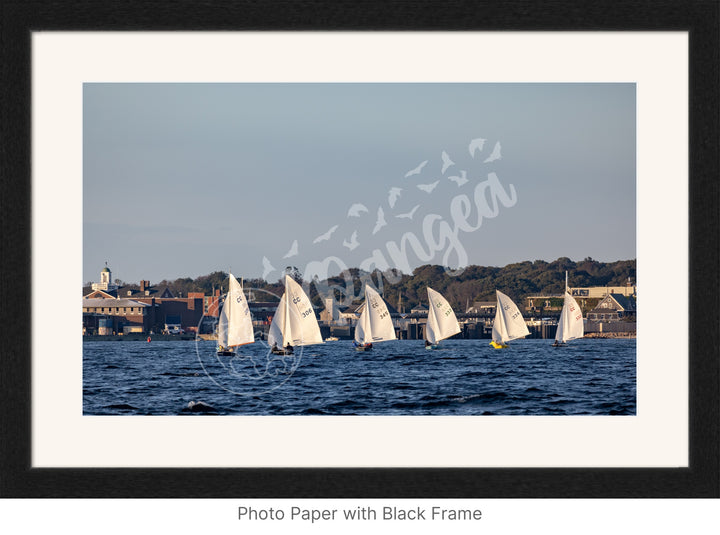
359	249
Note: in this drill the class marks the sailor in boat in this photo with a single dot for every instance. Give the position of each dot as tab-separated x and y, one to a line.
289	349
225	352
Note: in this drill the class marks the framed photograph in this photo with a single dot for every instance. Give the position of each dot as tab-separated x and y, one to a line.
326	174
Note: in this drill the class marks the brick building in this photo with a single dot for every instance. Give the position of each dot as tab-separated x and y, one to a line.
126	309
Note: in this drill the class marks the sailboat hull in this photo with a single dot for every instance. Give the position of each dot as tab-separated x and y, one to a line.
498	346
226	353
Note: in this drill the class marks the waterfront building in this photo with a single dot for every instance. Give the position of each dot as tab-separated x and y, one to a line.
614	307
598	292
420	310
330	315
586	297
131	309
482	308
106	316
145	290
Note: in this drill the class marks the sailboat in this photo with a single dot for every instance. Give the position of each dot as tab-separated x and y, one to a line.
294	322
441	323
570	324
235	326
509	323
375	324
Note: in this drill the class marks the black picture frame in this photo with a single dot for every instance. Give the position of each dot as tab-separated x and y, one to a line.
701	18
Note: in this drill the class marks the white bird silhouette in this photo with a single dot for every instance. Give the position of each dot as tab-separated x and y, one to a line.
356	209
293	250
476	144
417	170
326	236
447	162
353	241
459	180
408	215
495	155
267	267
427	188
393	195
380	223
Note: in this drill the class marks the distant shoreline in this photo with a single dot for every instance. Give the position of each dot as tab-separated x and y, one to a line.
136	337
186	337
611	335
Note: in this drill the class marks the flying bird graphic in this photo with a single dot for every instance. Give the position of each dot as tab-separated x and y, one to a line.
447	162
476	144
267	267
293	250
393	195
353	243
326	236
408	215
459	180
427	188
495	155
380	223
356	209
417	170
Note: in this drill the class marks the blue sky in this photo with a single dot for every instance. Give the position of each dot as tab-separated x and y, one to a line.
180	180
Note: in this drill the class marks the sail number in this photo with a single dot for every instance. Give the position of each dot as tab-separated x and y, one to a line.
306	313
296	299
375	304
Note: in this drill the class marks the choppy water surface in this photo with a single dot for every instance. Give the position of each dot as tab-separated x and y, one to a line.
464	377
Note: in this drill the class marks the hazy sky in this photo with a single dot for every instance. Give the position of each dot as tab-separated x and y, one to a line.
181	180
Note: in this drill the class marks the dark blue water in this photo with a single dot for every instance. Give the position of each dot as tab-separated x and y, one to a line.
464	377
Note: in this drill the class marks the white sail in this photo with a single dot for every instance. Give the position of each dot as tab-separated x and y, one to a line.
294	322
275	334
235	323
509	323
222	328
363	332
570	324
375	324
442	322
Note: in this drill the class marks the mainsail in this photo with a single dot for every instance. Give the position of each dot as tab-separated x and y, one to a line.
509	323
294	322
235	326
375	324
570	324
441	322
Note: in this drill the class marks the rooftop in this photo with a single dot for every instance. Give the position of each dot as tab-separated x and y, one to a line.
97	302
